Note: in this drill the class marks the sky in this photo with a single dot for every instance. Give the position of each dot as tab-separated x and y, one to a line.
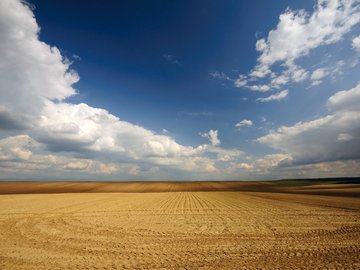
179	90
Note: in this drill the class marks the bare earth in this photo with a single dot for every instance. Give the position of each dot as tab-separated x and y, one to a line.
182	230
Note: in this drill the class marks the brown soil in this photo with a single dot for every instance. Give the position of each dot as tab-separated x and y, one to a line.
177	230
300	187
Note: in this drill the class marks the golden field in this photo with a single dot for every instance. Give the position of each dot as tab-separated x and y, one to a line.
285	226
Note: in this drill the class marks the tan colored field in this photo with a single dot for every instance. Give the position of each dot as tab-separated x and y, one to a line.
179	230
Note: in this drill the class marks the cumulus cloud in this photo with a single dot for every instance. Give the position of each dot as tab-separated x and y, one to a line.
16	148
65	126
35	82
244	123
241	81
31	71
260	166
35	79
280	80
40	130
335	136
356	43
270	167
243	165
134	170
297	34
77	164
23	156
110	168
278	96
318	74
326	169
212	136
261	88
346	100
269	161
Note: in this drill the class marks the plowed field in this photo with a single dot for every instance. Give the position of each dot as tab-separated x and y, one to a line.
179	230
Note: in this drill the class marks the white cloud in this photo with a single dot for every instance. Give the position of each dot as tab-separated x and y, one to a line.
270	167
261	45
260	71
16	148
23	155
110	168
48	134
278	96
36	80
280	80
241	81
314	83
224	154
245	122
219	75
34	74
244	165
260	166
319	74
77	164
356	43
30	71
327	169
297	34
79	127
240	166
269	161
337	69
317	140
296	73
346	100
261	88
135	170
212	135
335	136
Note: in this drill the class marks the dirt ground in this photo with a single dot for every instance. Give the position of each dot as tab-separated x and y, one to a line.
334	187
179	230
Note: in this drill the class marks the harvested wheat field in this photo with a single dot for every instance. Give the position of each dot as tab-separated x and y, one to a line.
179	230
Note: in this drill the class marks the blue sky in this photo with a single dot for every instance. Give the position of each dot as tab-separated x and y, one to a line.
179	90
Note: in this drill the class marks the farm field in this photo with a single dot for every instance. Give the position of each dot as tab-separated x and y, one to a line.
180	230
